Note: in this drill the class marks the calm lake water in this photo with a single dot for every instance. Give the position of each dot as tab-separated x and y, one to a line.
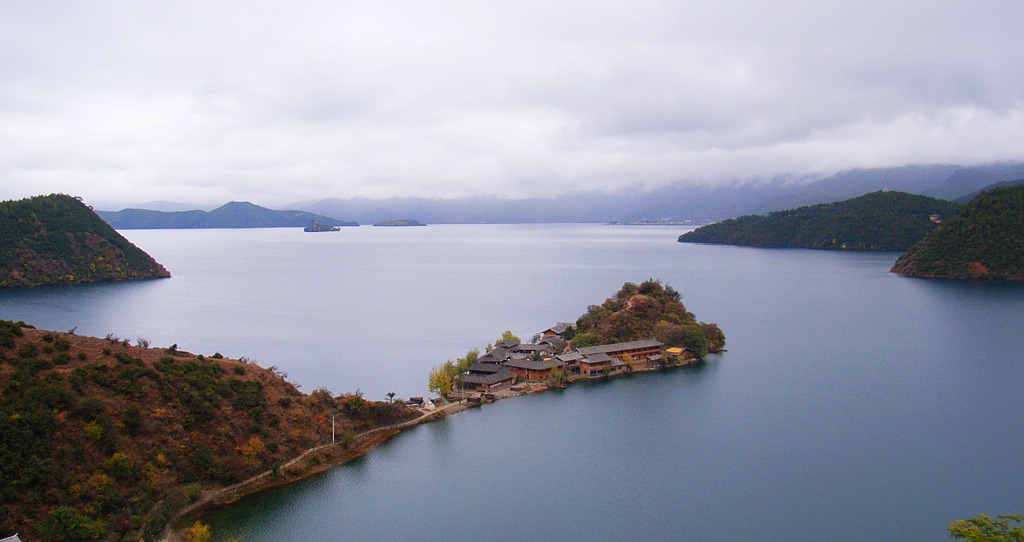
852	404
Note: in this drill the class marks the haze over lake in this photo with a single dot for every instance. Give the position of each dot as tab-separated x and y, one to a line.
852	404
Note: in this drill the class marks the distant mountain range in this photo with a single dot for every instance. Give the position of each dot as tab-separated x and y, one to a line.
678	202
232	215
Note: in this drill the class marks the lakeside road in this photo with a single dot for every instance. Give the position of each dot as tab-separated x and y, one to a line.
317	459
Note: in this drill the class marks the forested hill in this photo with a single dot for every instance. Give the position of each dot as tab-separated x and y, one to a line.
237	214
101	439
985	240
875	221
645	311
56	239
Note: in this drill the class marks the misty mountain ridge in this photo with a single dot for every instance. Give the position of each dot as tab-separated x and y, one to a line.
236	214
676	202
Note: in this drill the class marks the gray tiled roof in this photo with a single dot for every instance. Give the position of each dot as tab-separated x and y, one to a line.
482	367
558	328
618	347
599	357
487	379
498	355
534	365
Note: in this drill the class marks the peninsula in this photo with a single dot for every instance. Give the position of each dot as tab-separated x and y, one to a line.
114	439
985	240
57	239
643	327
876	221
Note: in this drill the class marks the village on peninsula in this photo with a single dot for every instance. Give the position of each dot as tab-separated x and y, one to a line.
643	327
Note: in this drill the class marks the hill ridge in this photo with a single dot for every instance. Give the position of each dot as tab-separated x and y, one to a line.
882	220
234	214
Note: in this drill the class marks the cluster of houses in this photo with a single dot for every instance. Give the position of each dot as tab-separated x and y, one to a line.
512	362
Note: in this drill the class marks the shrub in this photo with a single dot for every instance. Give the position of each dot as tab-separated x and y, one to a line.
64	522
27	350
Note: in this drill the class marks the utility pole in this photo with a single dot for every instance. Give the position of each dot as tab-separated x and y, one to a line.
332	428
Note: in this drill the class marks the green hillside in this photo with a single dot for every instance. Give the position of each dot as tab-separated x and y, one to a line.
57	239
875	221
237	214
985	240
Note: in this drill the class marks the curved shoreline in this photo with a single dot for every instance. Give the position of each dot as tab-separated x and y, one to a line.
313	461
333	456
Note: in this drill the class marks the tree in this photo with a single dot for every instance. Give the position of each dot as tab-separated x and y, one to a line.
391	396
982	528
440	382
507	336
198	532
557	378
64	522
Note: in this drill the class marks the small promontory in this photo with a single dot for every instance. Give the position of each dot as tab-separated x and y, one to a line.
881	220
985	240
57	239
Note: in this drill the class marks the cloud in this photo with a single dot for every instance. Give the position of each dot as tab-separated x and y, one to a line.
206	102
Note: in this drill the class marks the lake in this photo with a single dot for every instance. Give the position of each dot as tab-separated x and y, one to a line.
852	404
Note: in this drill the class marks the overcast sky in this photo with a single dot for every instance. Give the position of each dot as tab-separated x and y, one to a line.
277	102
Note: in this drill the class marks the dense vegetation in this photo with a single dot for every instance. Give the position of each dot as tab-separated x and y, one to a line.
236	214
645	311
56	239
103	439
985	240
875	221
982	528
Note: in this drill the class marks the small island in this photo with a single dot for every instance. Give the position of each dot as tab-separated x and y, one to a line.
985	240
883	221
57	239
643	327
401	222
315	226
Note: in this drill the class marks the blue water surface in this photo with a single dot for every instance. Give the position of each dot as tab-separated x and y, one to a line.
852	404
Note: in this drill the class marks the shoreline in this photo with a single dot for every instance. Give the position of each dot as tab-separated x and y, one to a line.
313	461
328	456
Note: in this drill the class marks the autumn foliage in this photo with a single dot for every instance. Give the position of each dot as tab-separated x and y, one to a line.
100	439
644	311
